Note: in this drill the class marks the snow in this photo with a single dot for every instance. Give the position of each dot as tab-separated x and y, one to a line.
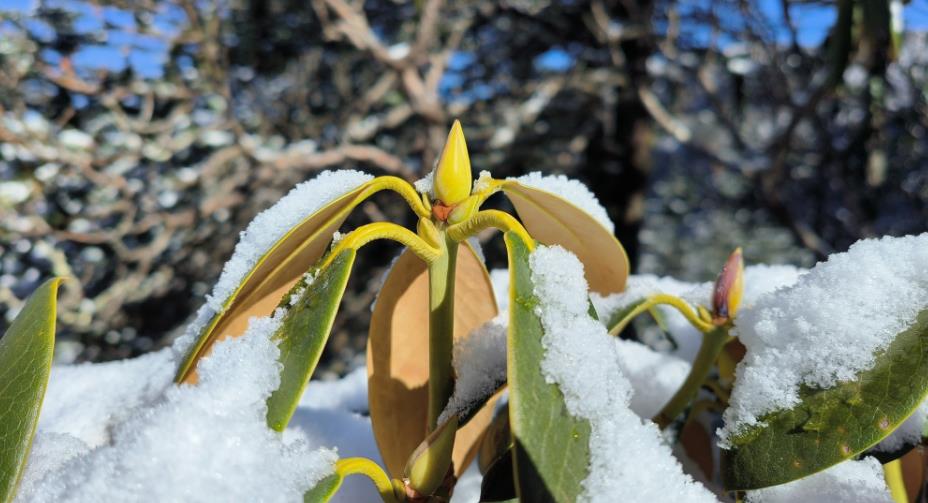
851	481
208	442
266	229
580	357
827	326
479	365
425	185
570	190
654	376
758	280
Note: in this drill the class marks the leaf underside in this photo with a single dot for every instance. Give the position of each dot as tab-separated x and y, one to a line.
555	221
551	447
26	351
303	334
272	277
834	424
397	356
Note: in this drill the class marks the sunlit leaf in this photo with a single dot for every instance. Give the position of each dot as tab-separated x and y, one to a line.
26	351
324	490
834	424
551	446
397	361
303	334
555	221
273	276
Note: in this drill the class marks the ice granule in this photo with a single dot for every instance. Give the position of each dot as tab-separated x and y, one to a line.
848	482
479	365
627	454
265	230
570	190
826	327
208	442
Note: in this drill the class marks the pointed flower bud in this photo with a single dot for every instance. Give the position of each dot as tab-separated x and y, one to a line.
453	178
726	296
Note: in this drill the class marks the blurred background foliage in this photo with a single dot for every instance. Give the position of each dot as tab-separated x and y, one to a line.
137	138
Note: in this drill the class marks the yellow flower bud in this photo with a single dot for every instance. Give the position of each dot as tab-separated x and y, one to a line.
453	179
729	287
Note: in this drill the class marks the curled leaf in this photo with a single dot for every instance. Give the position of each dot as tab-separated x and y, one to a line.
552	220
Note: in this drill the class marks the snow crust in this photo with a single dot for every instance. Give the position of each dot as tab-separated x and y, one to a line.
207	442
265	230
582	359
851	481
571	190
827	327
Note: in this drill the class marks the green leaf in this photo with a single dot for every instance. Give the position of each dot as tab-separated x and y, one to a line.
324	490
26	351
303	334
834	424
551	446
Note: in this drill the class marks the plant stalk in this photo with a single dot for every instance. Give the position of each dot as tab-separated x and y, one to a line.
712	343
892	472
441	328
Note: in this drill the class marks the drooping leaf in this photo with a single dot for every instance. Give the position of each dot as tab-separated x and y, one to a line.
397	361
273	275
551	446
833	424
555	221
303	334
26	351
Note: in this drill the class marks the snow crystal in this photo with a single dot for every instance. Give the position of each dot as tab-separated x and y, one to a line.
206	442
582	359
265	230
479	365
827	327
571	190
851	481
908	433
654	376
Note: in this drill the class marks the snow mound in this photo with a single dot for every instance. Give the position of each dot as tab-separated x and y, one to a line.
827	327
851	481
479	365
654	376
208	442
628	456
266	229
570	190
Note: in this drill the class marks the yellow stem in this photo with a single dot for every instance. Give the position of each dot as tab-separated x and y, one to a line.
384	230
366	467
892	472
669	300
401	187
487	219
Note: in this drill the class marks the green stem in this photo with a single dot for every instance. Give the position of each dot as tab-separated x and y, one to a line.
712	343
441	328
662	299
